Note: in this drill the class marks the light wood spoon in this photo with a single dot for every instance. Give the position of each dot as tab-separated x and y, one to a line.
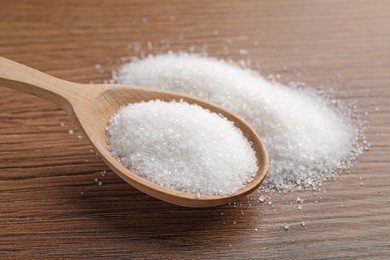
91	106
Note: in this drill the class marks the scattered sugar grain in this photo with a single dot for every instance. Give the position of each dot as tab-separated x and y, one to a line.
70	132
182	147
307	137
243	52
149	45
262	198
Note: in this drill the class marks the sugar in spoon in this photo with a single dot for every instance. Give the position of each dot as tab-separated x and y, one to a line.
92	105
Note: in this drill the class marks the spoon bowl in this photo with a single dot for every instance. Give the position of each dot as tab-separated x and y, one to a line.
91	106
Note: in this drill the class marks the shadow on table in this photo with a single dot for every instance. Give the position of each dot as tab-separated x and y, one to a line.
123	212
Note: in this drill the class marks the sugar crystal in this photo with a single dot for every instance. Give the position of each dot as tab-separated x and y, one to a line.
262	198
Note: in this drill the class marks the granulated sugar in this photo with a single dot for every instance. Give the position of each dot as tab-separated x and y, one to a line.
307	139
182	147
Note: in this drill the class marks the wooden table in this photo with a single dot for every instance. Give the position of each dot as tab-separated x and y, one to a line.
52	206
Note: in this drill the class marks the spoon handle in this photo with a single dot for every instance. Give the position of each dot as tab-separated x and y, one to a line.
23	78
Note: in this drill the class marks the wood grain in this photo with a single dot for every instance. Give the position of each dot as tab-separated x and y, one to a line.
50	204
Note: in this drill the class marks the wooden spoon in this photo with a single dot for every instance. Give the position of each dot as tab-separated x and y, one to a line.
91	106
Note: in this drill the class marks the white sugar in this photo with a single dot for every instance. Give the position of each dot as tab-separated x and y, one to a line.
305	137
262	198
182	147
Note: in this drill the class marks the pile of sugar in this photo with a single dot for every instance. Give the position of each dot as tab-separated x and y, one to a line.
306	138
182	147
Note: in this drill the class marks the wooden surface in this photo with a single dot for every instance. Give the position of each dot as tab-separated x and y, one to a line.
51	205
